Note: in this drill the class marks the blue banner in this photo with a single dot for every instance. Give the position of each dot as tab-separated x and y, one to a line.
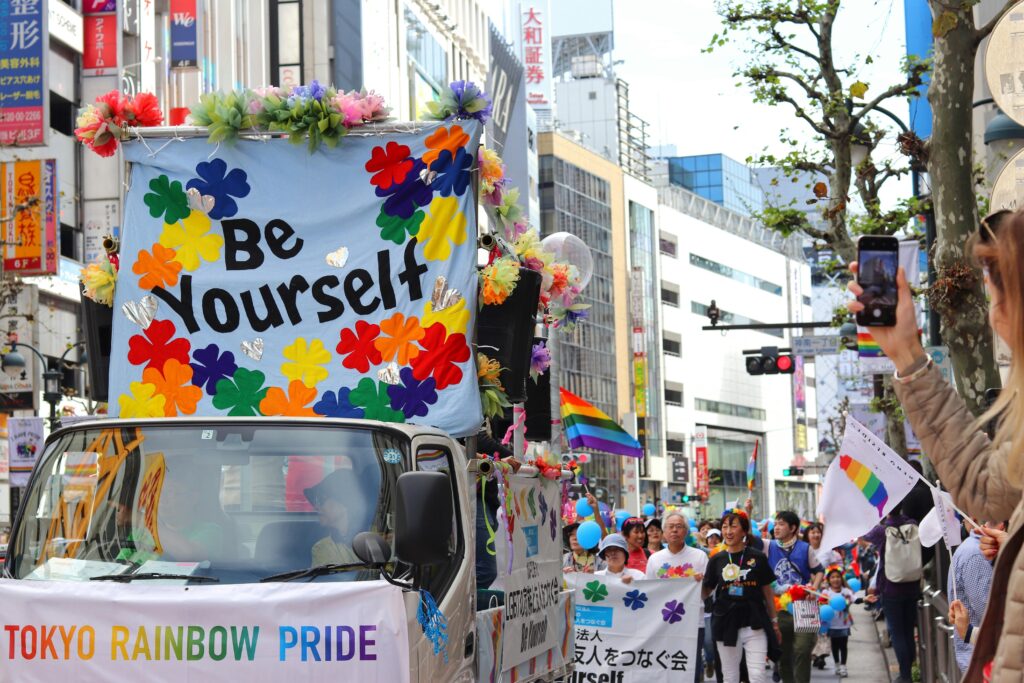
23	45
260	279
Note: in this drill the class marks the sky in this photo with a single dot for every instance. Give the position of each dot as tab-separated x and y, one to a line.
689	98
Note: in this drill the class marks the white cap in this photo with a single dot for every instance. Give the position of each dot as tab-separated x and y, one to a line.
714	532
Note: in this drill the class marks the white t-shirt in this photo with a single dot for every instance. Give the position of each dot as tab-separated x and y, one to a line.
666	564
626	571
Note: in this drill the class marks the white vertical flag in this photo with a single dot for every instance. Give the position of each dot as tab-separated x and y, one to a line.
941	522
862	485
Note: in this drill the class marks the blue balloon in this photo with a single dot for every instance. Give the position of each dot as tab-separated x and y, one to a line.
855	585
588	535
649	509
622	514
827	614
789	608
824	629
771	526
837	603
583	508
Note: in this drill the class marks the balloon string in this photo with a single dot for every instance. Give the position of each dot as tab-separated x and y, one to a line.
491	533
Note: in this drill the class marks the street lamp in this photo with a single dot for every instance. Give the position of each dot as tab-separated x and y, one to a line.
13	364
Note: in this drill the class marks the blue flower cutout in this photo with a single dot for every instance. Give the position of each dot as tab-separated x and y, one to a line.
673	612
412	396
337	405
209	366
221	185
452	173
635	600
404	198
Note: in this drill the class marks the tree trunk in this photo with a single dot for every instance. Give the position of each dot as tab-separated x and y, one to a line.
960	298
895	431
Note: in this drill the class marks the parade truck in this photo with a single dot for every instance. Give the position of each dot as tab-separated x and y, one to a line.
286	485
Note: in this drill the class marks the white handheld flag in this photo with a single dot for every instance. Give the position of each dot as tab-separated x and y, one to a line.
941	522
862	485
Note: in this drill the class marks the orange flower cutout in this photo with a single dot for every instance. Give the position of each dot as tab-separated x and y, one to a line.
157	268
175	385
400	344
444	138
292	405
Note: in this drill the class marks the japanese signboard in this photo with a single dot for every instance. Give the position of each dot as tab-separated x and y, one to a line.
815	345
23	91
18	310
490	625
100	45
147	45
184	34
700	459
24	445
536	37
503	83
28	191
640	631
66	25
530	569
680	468
100	218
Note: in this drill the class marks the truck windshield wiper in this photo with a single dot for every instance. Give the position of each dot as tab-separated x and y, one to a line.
318	570
149	576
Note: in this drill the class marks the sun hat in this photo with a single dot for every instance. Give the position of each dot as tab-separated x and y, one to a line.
613	541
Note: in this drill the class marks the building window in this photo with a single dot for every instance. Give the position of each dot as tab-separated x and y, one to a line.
674	445
669	297
723	408
673	397
668	246
806	299
737	275
671	347
727	317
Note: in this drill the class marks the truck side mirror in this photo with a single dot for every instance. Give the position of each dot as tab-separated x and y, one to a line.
423	518
371	548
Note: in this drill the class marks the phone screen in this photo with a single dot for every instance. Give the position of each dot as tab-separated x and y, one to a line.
877	275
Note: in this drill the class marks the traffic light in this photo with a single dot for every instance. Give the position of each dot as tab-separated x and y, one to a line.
793	472
770	362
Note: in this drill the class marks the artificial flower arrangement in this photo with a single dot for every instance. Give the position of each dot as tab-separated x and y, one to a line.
493	397
100	279
101	126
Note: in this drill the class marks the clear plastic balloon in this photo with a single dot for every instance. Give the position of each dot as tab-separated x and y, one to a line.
570	248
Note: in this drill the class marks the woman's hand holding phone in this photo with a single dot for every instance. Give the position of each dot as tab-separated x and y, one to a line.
902	341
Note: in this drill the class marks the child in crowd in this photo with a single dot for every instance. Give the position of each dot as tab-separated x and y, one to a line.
614	550
839	627
578	559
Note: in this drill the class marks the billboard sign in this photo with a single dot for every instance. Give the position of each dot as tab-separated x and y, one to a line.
536	39
184	34
31	237
23	91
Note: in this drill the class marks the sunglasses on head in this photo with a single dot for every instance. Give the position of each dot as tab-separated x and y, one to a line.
990	224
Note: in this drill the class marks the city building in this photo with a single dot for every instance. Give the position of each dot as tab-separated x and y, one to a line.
718	178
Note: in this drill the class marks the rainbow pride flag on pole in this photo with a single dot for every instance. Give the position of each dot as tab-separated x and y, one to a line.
588	427
752	467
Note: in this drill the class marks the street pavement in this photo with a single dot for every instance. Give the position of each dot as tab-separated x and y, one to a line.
864	661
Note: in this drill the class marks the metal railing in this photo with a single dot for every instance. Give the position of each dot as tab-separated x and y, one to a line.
936	653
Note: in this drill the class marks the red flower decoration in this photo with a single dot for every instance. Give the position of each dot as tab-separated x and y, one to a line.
146	108
359	346
440	355
391	165
115	106
157	347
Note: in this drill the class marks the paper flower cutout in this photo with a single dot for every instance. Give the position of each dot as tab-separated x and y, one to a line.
540	360
141	401
154	347
395	228
673	611
452	172
359	347
595	591
455	318
167	200
441	352
404	198
373	398
192	240
100	280
292	404
307	360
211	366
450	139
338	405
498	279
412	396
635	600
400	342
390	165
158	269
444	226
216	181
174	383
241	394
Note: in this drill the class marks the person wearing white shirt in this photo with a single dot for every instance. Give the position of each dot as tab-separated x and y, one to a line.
614	550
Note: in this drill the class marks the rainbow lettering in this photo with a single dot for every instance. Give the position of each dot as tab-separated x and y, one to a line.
864	479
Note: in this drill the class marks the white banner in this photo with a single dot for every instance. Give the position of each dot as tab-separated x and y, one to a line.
641	631
67	631
532	587
24	444
941	523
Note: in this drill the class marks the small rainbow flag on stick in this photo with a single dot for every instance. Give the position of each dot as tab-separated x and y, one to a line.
588	427
867	347
752	467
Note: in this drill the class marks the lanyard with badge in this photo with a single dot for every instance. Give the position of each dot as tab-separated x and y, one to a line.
731	573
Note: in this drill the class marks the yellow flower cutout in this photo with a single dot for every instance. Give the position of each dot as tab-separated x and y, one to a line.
443	224
192	240
143	401
454	318
306	362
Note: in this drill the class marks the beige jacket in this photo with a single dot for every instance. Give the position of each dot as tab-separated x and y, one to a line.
975	474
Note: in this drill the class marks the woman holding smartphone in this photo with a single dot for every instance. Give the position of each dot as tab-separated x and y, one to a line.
985	476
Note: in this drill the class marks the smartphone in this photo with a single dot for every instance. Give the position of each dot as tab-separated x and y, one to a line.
878	258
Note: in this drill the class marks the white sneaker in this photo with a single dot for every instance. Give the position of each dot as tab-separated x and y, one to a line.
841	671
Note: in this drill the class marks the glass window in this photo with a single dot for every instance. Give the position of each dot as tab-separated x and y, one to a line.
669	297
671	347
673	397
289	48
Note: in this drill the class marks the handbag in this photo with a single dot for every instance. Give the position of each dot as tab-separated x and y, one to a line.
806	617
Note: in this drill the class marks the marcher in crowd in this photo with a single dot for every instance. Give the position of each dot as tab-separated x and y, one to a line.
826	556
614	552
985	476
654	536
636	538
744	619
795	564
842	622
970	576
703	527
578	559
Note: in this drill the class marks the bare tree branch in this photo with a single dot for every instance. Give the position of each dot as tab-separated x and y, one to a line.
985	30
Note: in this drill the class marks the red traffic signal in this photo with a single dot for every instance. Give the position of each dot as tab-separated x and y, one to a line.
770	362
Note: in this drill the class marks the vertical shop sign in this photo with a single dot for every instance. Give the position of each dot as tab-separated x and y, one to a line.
537	55
700	456
184	34
28	190
24	110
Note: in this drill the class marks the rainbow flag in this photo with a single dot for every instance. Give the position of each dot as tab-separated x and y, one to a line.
752	467
867	347
588	427
864	479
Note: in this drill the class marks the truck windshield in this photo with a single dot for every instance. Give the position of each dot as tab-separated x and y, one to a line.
233	501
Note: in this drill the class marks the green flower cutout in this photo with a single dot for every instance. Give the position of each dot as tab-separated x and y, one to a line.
373	398
394	228
242	394
167	199
595	591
